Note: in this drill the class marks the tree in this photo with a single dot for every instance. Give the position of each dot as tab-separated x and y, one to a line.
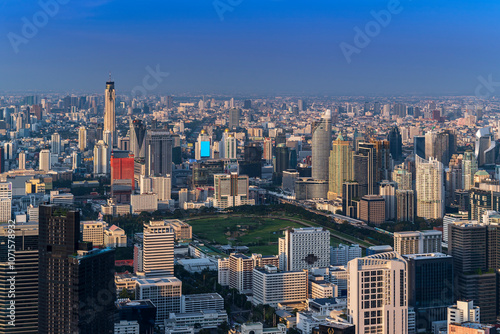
126	294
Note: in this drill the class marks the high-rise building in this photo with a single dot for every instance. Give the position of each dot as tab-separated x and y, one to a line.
122	169
304	248
164	292
486	148
55	144
137	138
74	282
234	118
405	203
385	311
341	255
26	279
162	186
82	138
371	209
430	287
350	199
101	158
396	143
22	160
44	164
365	169
321	146
469	168
231	190
203	146
418	242
282	162
159	145
228	146
158	249
340	166
430	188
109	112
419	146
387	190
440	145
463	311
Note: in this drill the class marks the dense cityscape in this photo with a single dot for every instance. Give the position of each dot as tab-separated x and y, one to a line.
177	214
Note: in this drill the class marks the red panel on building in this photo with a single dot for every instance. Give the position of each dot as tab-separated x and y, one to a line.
122	167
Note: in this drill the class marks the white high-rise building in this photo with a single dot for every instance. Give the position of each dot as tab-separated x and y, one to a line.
109	112
145	184
22	160
162	186
44	164
387	190
341	255
55	144
158	249
228	146
6	190
430	188
203	146
101	158
304	248
231	190
82	138
5	210
418	242
448	220
464	311
377	294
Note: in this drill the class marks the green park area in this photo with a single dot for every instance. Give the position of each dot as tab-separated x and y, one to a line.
258	233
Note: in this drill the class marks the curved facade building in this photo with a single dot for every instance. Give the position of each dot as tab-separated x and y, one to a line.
321	146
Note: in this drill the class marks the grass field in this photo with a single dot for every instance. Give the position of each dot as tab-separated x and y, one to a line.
259	234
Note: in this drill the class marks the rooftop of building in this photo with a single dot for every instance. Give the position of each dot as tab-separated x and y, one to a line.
158	280
203	296
426	256
127	303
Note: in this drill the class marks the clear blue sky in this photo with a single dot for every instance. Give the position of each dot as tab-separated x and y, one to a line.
261	46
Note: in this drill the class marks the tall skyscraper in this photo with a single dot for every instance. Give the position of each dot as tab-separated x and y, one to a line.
44	161
76	284
282	162
340	166
109	112
137	138
387	190
419	146
159	145
234	118
26	279
82	138
158	249
440	145
321	146
268	149
396	143
365	169
430	188
122	169
403	179
385	311
22	160
228	146
469	168
203	146
55	144
405	204
304	248
350	199
102	156
486	148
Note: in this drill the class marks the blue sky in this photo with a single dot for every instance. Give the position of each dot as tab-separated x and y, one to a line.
261	46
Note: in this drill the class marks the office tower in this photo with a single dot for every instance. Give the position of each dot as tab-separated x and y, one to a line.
93	231
419	146
234	118
164	292
55	144
301	105
340	167
231	190
453	178
109	112
430	287
387	190
76	285
304	248
158	153
468	244
405	203
282	162
252	163
383	160
268	149
469	168
403	179
76	160
44	164
162	186
396	143
350	196
399	110
418	242
203	146
486	148
101	158
22	160
82	138
138	138
372	209
290	178
122	169
365	168
430	188
321	146
341	255
158	249
240	273
485	196
387	310
204	171
440	145
228	146
292	286
26	278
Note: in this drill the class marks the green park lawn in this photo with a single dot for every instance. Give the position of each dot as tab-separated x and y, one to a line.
259	234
